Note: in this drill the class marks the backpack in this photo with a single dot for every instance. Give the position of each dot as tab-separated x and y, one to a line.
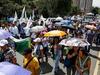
67	62
38	50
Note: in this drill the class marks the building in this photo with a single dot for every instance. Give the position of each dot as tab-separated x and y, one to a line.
84	5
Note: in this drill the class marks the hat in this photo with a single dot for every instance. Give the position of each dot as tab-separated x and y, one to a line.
3	42
27	51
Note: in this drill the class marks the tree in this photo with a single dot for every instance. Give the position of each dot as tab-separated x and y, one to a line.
45	7
75	10
95	10
8	7
54	7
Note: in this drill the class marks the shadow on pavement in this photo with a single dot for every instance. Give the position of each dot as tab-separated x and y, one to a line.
94	57
95	48
60	72
46	68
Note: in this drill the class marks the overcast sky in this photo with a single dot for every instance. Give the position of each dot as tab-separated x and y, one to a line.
96	3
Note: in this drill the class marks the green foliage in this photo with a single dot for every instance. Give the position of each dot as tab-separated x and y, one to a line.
96	10
54	7
45	7
75	10
8	7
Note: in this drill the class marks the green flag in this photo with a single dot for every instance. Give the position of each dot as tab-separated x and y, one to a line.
22	44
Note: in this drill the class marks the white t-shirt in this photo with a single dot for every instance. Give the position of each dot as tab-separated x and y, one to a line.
33	35
27	31
35	48
14	30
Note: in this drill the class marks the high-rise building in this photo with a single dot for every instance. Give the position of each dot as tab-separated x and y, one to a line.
84	5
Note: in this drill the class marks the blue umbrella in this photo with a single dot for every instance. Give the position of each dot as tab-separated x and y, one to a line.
4	34
7	68
10	19
66	22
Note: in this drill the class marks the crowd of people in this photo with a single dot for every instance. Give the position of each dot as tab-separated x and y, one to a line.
76	59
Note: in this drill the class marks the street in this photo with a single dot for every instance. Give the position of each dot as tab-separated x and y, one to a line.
48	67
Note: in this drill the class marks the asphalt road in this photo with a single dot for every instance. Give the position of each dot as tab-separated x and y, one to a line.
48	67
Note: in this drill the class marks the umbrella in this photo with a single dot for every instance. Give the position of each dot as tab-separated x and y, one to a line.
7	68
74	42
55	33
65	25
90	14
93	22
68	26
4	34
38	29
59	18
37	40
92	27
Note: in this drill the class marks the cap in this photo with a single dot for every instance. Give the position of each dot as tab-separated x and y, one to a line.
27	51
3	42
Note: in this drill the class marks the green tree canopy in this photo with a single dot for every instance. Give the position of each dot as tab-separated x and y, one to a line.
45	7
96	10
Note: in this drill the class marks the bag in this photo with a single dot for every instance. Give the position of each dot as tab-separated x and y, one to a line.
1	57
67	63
77	73
38	50
28	62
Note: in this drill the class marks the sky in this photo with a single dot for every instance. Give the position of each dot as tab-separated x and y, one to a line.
96	3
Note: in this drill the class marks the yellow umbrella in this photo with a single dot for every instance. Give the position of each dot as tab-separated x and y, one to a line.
54	33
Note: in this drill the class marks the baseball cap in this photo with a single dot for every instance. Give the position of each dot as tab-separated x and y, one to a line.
3	42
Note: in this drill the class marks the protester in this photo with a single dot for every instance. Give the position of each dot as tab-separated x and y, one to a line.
21	30
57	53
83	63
31	62
90	36
70	60
8	53
38	49
46	49
14	30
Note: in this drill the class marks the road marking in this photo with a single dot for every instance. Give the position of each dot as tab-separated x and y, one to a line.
97	66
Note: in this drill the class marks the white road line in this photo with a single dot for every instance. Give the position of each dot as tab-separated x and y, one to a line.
97	66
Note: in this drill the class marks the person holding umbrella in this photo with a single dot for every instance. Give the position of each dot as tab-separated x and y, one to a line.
83	63
9	55
70	59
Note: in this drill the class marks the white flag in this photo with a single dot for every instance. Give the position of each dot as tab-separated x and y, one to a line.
29	23
23	13
22	18
15	17
33	15
26	18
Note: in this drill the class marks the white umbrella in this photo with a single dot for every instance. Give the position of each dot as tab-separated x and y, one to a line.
91	27
7	68
37	40
4	34
38	28
74	42
89	14
59	19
